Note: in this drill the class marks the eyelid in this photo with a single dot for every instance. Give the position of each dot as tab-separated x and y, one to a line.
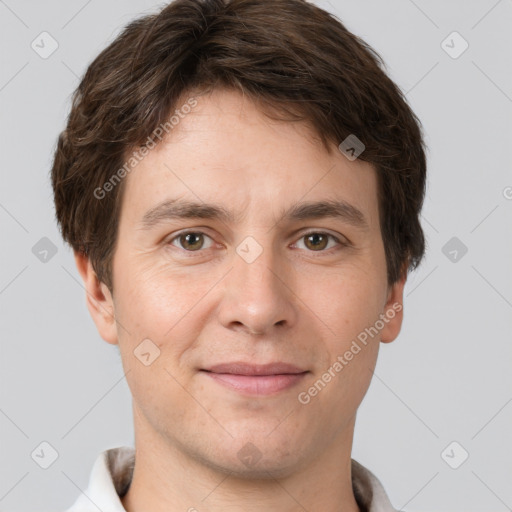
176	236
341	241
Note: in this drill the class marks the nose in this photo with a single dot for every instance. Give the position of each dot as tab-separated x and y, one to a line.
257	296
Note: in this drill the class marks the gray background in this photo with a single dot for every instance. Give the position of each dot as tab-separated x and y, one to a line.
446	378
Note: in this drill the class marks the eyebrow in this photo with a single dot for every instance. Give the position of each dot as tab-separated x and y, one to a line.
333	208
184	209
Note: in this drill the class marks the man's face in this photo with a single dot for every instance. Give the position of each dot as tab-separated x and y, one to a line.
264	286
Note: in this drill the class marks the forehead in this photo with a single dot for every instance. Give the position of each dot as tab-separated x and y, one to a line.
225	150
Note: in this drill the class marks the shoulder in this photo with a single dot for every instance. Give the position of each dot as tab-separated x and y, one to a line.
109	479
369	491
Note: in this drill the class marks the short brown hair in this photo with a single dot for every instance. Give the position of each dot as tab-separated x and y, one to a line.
295	60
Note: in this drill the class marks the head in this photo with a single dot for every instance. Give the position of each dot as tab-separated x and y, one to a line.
242	105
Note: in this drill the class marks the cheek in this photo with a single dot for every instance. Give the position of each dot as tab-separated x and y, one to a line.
153	302
148	296
348	303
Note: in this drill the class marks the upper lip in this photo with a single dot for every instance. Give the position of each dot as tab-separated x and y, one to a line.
242	368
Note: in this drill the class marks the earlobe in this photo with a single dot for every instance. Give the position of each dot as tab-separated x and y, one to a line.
98	298
393	311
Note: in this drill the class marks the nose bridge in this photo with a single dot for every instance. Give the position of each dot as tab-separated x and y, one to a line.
255	291
257	269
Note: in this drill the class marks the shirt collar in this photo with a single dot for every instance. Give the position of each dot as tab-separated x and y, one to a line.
112	472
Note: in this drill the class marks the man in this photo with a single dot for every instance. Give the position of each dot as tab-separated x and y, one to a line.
241	184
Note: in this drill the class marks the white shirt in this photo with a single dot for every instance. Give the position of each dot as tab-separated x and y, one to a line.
112	473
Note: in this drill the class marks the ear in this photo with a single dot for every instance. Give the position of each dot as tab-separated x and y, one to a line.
393	310
99	299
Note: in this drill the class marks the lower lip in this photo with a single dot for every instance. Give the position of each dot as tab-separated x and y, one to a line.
257	384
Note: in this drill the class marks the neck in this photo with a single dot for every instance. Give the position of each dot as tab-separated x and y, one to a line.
167	478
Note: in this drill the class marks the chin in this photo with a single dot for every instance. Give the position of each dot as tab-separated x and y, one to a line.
264	455
267	466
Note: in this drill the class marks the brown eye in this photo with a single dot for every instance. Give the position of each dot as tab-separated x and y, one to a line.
191	241
316	241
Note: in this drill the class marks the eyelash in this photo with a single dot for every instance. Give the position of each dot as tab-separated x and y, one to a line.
340	243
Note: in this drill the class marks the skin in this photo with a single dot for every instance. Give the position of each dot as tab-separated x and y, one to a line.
295	303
